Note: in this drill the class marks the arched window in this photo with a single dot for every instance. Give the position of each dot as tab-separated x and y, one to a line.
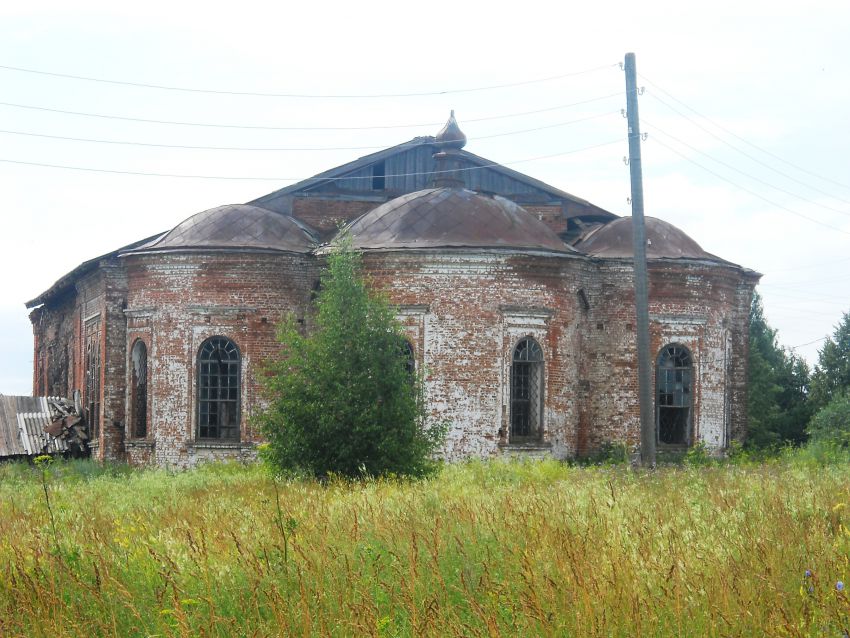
674	396
139	390
218	389
527	391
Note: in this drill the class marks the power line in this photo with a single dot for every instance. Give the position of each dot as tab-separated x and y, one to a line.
267	148
745	174
758	148
302	128
808	283
298	179
807	299
184	89
744	153
807	266
751	192
808	343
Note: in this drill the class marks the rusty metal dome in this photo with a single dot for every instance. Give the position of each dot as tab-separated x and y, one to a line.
450	136
452	218
235	227
664	241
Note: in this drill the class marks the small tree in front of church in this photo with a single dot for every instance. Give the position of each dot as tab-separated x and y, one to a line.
343	399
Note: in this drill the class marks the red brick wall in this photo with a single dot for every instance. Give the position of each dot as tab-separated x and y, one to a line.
549	215
59	326
703	307
463	310
178	301
474	308
325	215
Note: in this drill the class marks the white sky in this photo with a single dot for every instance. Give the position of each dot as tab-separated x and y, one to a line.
774	74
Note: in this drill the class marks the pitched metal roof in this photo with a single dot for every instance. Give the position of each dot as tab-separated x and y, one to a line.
470	158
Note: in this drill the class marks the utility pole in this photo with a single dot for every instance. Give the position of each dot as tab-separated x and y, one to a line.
647	420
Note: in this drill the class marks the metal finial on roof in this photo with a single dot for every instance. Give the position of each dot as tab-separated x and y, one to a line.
450	136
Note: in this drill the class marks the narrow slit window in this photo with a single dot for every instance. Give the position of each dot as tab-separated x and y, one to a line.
139	390
92	366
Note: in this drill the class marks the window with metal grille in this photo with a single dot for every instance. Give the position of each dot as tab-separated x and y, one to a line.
139	390
218	389
674	397
527	391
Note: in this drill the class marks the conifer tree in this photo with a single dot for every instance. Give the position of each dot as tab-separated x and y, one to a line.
777	393
343	399
831	377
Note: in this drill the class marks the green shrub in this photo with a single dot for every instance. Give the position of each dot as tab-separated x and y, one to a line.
342	399
831	424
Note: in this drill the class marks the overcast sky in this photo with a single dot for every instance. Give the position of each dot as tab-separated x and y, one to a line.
745	107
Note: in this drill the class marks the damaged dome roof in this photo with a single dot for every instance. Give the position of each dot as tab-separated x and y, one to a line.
663	241
452	217
235	227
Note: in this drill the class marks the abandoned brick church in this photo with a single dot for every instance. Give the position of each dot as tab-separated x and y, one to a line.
516	298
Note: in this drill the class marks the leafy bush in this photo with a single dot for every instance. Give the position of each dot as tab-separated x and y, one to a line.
342	399
831	424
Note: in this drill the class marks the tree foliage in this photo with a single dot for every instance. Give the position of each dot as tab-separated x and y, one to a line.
777	395
342	399
831	424
831	377
830	395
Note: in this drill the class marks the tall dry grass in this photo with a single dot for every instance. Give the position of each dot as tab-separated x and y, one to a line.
483	549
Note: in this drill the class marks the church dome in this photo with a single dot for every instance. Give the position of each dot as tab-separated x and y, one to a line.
663	241
235	227
451	217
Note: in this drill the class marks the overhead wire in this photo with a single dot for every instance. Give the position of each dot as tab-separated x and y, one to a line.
744	173
300	128
302	179
752	192
807	283
319	96
278	149
807	266
808	343
735	148
745	141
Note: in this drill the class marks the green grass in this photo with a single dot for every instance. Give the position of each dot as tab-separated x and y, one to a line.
482	549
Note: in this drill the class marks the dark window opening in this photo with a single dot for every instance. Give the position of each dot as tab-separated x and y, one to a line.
409	357
315	290
93	378
527	391
582	297
218	389
139	390
674	395
379	171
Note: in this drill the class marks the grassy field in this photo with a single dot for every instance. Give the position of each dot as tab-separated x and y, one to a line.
498	549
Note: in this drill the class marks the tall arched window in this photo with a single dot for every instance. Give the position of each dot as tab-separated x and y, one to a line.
674	396
527	391
139	390
218	389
